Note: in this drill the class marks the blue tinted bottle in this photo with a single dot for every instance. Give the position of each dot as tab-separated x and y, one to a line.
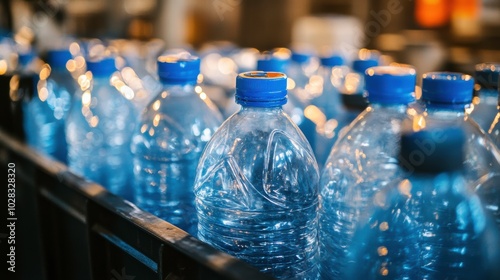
99	129
361	162
428	224
168	142
257	184
333	115
50	105
446	100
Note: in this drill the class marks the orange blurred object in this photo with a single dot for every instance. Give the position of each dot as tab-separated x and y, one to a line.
465	8
465	21
432	13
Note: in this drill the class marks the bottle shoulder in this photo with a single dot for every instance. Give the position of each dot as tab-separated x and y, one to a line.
174	127
183	105
372	126
264	161
258	126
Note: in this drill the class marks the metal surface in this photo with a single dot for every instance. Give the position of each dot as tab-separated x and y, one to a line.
75	229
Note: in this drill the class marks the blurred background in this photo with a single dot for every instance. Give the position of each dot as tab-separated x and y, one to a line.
429	34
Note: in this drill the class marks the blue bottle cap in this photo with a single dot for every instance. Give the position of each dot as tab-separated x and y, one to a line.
390	84
487	75
360	65
25	58
447	88
300	57
102	68
261	89
332	60
272	64
181	68
433	150
58	58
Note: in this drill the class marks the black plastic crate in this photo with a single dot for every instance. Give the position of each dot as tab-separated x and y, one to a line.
69	228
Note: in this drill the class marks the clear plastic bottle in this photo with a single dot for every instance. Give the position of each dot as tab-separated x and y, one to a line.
428	224
446	100
362	161
486	94
168	142
334	115
50	106
257	184
99	129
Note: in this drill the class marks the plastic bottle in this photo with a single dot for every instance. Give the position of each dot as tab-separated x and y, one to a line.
99	129
428	224
50	106
362	161
486	94
333	116
446	99
488	187
257	184
168	142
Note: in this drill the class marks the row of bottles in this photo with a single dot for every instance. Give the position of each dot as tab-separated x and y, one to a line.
396	197
367	162
408	186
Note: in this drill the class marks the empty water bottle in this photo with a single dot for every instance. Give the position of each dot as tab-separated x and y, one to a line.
99	128
49	107
168	142
428	224
362	161
446	99
257	184
486	94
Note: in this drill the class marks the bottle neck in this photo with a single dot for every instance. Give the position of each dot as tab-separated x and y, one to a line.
487	92
395	108
267	110
451	108
179	88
